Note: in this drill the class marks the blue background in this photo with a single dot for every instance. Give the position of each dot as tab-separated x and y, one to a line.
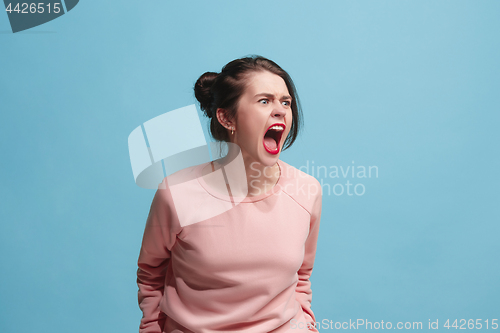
408	86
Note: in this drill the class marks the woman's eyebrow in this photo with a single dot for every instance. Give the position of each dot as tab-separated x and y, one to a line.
272	96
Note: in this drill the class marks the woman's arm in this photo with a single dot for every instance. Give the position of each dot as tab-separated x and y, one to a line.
303	290
153	261
150	280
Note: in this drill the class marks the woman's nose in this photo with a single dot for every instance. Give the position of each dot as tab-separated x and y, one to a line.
279	110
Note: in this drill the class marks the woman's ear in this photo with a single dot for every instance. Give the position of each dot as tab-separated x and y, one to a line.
223	118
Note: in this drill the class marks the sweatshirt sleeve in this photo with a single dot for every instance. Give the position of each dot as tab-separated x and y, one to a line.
154	257
303	290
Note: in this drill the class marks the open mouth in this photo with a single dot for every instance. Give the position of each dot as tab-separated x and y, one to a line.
272	138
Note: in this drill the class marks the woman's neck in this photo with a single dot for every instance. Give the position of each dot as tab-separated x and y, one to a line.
260	178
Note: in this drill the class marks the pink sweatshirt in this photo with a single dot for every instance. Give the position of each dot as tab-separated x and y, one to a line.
245	270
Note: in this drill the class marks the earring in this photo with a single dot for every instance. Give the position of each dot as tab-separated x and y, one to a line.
232	130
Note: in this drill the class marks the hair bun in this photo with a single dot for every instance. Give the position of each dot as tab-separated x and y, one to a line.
202	91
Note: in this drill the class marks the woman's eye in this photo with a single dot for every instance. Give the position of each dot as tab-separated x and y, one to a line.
266	101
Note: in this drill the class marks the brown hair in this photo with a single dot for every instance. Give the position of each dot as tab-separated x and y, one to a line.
224	89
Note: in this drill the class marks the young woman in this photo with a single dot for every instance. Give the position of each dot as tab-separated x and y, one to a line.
246	269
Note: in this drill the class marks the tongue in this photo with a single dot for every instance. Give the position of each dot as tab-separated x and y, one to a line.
270	143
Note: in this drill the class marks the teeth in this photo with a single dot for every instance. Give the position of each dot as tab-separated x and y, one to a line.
278	128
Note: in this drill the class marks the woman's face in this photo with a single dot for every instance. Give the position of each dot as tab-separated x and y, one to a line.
264	103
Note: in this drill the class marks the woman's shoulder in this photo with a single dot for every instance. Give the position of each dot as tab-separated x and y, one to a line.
293	174
182	176
300	186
